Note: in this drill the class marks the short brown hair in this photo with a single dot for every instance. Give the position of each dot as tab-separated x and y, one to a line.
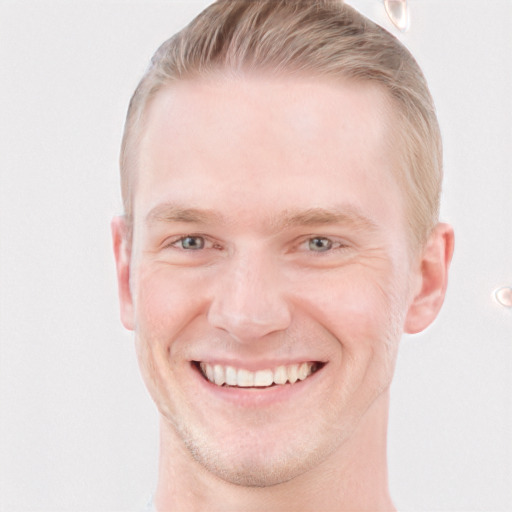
324	38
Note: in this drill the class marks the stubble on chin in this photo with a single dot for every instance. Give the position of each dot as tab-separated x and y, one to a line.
249	458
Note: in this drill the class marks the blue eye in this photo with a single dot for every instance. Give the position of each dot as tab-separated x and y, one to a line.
319	244
192	243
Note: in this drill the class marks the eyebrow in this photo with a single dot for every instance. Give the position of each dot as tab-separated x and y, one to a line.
169	212
344	215
347	215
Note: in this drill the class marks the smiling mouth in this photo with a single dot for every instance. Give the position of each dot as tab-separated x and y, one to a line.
229	376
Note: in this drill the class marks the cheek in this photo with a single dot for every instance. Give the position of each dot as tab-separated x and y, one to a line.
362	312
164	305
355	301
164	302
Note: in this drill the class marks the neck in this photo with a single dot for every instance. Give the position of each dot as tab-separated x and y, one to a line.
353	478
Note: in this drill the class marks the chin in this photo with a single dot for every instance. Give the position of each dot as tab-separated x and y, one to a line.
254	470
255	458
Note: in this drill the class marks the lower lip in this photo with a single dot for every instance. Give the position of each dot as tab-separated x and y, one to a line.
253	397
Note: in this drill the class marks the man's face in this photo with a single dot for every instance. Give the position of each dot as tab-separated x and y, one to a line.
269	243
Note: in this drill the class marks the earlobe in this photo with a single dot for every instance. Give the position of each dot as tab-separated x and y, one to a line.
432	279
122	254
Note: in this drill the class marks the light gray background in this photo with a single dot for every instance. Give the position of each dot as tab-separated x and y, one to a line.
77	429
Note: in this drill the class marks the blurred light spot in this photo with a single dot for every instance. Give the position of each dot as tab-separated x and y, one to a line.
398	13
504	296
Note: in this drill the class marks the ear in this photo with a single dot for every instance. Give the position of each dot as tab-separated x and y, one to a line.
122	254
431	279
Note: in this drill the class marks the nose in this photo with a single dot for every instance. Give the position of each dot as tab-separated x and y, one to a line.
249	301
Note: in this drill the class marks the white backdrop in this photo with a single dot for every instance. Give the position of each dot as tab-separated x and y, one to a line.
77	429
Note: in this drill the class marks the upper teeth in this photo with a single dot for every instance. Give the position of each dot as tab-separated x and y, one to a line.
220	374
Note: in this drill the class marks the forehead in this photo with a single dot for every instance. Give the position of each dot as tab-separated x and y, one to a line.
295	109
265	142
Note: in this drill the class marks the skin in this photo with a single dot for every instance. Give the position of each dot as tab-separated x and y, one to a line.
286	187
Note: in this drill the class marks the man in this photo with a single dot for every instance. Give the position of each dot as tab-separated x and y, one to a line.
281	172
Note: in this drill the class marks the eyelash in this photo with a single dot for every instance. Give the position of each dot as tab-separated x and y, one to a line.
173	243
334	244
